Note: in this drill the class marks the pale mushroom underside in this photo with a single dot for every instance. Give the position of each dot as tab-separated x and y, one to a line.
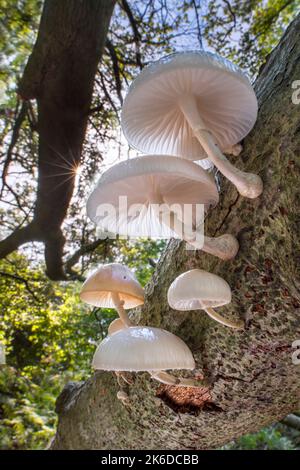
109	279
124	199
153	122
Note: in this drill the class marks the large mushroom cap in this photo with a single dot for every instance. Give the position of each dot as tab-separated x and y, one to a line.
142	348
144	181
198	289
108	279
153	122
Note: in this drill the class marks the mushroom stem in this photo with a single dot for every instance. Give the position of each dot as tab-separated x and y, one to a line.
118	303
213	314
168	379
248	184
224	247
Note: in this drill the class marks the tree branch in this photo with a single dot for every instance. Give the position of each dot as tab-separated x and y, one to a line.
136	33
24	281
18	238
116	69
83	250
199	34
14	138
60	76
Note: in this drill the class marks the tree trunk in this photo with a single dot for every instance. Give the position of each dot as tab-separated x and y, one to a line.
253	381
60	75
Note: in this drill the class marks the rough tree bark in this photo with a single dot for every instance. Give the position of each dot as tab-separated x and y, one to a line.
253	381
60	76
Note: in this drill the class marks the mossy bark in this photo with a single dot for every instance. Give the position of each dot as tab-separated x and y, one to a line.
253	379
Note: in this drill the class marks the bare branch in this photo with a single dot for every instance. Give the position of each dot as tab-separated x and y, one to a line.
136	33
83	250
108	97
116	69
14	138
231	12
199	33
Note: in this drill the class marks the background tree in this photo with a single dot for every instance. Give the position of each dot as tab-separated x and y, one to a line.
35	312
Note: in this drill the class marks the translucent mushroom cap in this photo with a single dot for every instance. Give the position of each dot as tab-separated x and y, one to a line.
116	325
145	181
152	121
141	348
198	289
108	279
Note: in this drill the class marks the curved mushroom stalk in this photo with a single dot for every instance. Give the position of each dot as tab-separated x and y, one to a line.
168	379
119	305
213	314
248	184
224	247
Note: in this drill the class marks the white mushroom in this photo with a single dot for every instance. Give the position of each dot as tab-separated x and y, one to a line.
141	348
193	105
200	290
113	286
148	184
116	325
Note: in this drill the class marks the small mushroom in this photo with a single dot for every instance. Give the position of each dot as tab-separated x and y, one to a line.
194	105
145	349
148	184
2	354
113	286
116	325
200	290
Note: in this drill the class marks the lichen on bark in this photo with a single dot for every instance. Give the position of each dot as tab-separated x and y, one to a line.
253	381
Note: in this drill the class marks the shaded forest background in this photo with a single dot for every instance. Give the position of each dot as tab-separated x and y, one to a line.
49	336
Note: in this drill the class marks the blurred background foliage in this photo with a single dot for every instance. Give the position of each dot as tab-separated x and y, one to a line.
48	334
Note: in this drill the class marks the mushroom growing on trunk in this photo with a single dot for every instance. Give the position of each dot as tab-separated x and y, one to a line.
200	290
145	349
113	286
156	192
193	105
116	325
